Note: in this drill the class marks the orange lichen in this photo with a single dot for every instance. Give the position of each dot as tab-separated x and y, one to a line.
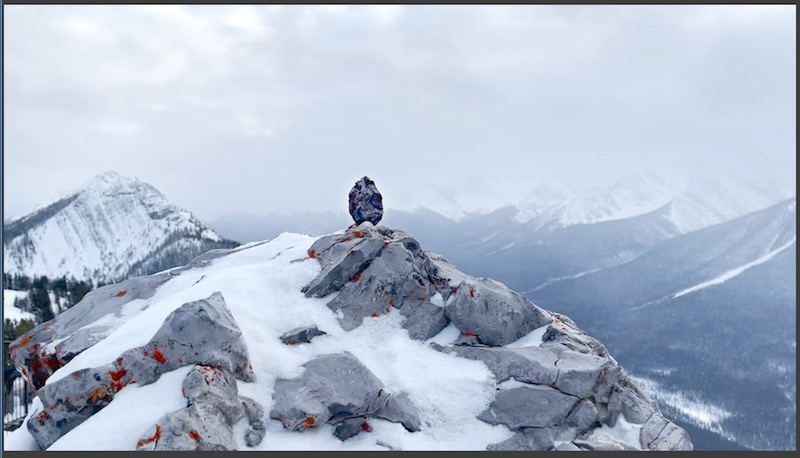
195	435
385	244
358	234
25	341
117	375
158	356
312	254
391	301
366	427
98	393
469	334
180	360
145	353
356	277
304	289
155	438
472	292
75	374
122	293
374	314
309	421
292	341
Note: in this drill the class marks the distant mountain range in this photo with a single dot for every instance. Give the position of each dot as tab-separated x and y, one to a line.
112	228
707	319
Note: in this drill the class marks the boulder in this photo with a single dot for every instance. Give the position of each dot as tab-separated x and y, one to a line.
200	332
532	365
493	313
529	407
337	389
365	202
301	335
35	355
213	407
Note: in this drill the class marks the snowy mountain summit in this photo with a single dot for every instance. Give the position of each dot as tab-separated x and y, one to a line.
111	228
355	340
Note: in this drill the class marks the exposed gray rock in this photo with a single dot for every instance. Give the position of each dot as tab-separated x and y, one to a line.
255	415
331	385
579	373
494	313
301	335
425	321
200	332
344	260
568	447
29	353
349	427
602	441
523	407
658	433
334	389
583	416
627	399
207	422
528	364
528	439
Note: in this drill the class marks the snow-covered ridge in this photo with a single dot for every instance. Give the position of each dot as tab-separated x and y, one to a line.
102	231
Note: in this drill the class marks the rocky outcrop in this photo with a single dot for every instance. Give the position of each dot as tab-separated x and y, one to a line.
206	423
338	390
567	385
201	332
555	387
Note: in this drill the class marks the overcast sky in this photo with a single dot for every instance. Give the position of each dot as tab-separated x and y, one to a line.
253	109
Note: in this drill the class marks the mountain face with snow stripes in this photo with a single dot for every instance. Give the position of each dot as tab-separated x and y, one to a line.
111	228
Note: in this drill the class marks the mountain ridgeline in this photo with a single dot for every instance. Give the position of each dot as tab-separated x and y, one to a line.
112	228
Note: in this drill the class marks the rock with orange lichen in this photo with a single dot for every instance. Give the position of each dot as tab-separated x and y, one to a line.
333	389
496	314
206	423
73	330
199	332
301	335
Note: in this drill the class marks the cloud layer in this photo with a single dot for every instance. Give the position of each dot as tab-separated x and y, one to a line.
232	109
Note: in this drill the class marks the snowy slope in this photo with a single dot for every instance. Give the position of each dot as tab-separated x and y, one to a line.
262	286
9	311
261	283
103	230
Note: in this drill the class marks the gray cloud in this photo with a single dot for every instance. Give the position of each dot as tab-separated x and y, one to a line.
272	108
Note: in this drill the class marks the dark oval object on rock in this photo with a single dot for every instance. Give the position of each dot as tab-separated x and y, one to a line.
366	203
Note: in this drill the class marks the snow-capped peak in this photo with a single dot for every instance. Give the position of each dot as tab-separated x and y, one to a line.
105	231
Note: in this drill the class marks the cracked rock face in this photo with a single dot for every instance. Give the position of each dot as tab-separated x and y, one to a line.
337	389
200	332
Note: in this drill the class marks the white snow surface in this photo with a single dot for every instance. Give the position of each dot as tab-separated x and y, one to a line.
261	286
9	311
112	223
736	271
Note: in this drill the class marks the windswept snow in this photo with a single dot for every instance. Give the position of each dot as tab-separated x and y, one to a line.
261	285
737	271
